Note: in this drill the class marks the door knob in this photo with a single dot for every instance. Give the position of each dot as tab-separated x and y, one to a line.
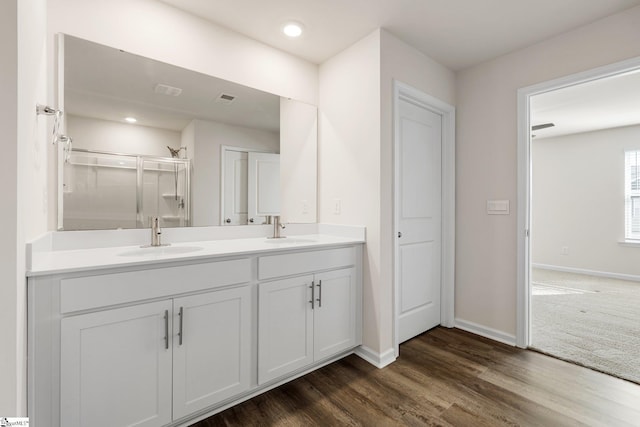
399	234
228	220
251	220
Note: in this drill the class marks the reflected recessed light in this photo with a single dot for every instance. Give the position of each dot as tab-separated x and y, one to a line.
292	29
130	119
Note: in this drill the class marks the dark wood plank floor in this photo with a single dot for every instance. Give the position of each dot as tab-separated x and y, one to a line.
445	377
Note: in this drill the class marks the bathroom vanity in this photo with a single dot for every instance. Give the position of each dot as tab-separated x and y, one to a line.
123	335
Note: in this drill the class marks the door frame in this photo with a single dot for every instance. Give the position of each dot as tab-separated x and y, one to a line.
223	151
523	291
403	91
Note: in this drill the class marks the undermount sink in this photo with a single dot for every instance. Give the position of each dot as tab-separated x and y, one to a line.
160	250
291	240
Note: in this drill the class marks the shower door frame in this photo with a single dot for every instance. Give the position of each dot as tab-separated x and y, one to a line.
62	153
140	159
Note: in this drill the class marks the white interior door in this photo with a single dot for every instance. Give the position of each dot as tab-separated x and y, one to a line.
235	188
263	186
418	219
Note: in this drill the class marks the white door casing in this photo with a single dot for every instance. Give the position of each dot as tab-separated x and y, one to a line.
429	253
250	185
523	292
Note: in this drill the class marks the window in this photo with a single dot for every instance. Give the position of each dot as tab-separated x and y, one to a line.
632	194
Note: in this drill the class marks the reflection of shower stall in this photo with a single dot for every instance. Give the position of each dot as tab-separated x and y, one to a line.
107	190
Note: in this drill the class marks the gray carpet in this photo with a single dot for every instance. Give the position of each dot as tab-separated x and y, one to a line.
592	321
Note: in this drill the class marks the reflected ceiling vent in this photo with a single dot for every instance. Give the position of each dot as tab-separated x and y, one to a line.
167	90
225	98
541	126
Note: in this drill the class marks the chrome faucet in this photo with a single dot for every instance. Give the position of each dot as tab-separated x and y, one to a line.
277	226
156	232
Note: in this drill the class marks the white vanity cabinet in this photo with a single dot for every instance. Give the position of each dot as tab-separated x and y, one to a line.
116	367
143	347
211	350
334	313
129	366
307	318
161	344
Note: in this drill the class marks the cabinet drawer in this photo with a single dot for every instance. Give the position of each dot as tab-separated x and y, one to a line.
304	262
83	293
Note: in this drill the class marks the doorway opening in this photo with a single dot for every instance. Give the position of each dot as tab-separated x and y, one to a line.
578	275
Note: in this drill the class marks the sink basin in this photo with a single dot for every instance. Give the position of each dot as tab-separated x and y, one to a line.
160	250
290	240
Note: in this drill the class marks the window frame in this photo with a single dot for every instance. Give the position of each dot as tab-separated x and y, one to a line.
632	196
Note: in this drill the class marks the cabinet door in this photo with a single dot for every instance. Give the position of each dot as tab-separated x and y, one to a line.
116	367
212	341
285	327
335	312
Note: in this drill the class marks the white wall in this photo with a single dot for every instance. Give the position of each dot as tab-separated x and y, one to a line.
9	360
125	138
156	30
349	161
209	137
23	171
400	61
486	156
355	155
298	161
578	201
34	150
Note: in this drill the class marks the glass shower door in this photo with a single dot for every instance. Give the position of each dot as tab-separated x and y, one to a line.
163	191
99	191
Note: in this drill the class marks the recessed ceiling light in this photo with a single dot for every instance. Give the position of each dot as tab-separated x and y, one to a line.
292	29
130	119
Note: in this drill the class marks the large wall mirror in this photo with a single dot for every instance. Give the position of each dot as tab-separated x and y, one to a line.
152	139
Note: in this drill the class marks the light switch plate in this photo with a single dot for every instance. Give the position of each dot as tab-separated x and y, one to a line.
498	207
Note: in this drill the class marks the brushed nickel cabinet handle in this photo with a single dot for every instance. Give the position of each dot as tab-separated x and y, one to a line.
313	293
319	285
166	329
180	334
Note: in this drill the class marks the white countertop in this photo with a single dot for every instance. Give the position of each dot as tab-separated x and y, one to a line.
76	260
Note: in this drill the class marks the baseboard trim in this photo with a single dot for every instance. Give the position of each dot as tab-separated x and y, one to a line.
607	274
486	332
376	359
